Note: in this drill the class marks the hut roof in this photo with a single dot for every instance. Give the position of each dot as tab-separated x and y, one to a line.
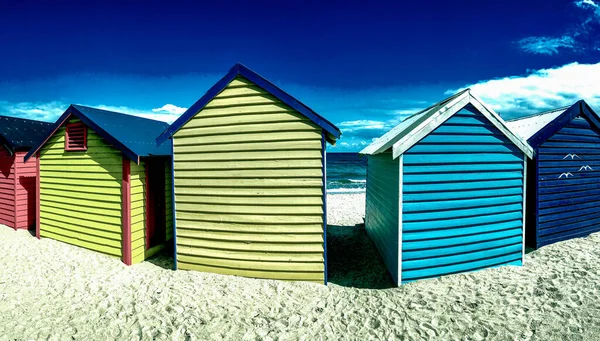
333	133
20	133
537	128
132	135
415	127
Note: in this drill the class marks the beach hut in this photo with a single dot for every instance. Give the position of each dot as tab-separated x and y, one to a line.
249	182
104	184
17	179
445	191
563	186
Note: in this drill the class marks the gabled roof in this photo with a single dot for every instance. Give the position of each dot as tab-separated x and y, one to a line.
132	135
538	128
20	133
332	131
527	126
405	135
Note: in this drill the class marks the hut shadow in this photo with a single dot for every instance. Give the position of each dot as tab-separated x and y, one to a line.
163	259
353	260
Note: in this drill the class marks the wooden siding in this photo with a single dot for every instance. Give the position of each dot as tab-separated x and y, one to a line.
462	199
381	215
7	188
138	212
168	201
25	200
80	194
249	188
568	192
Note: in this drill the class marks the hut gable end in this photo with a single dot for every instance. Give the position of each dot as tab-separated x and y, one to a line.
462	199
80	193
249	188
568	174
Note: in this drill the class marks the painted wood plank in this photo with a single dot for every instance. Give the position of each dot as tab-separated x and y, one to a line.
316	200
256	256
237	236
316	277
253	247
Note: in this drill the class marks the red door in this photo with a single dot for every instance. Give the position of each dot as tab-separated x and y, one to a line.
155	202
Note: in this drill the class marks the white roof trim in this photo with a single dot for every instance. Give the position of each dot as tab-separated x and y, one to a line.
528	126
402	137
501	125
388	139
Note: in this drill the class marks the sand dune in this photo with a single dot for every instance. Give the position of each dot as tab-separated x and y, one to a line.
50	290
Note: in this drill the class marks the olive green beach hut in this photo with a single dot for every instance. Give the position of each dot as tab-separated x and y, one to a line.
104	185
250	182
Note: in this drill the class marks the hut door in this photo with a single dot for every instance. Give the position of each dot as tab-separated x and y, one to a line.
156	215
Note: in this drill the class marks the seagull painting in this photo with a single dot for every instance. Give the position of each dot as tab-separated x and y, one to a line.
586	167
567	174
572	156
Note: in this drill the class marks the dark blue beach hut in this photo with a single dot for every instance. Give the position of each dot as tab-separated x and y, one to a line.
563	185
445	191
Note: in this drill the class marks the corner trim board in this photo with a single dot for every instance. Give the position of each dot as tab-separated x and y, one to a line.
37	197
523	218
15	182
324	169
173	203
400	185
126	207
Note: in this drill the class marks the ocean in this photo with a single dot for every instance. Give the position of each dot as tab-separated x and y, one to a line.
346	173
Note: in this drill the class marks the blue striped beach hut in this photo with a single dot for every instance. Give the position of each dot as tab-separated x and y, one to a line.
563	186
445	191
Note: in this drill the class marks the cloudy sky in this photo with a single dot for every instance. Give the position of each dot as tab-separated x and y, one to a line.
364	66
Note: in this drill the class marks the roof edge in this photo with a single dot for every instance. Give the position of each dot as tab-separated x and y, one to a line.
368	150
578	108
73	111
239	69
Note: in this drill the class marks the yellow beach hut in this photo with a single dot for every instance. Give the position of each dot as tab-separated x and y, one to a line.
103	183
250	182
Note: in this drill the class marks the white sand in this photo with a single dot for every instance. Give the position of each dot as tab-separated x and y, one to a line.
50	290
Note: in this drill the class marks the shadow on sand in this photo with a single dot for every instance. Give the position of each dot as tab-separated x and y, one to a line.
353	260
163	259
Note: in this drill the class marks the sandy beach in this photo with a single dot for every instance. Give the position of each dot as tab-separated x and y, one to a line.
50	290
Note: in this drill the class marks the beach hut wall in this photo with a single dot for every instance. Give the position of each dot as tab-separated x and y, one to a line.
104	184
249	176
18	179
564	182
445	191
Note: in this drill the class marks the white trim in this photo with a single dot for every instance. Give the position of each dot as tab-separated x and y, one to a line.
409	125
524	203
413	129
429	125
499	123
400	199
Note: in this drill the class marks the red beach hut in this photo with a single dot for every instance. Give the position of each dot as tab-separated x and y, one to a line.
17	178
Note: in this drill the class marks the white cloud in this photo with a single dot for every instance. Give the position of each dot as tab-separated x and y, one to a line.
582	35
541	89
585	3
170	109
547	45
169	118
362	124
37	111
51	111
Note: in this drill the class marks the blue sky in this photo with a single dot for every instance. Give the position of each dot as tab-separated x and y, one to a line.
363	65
